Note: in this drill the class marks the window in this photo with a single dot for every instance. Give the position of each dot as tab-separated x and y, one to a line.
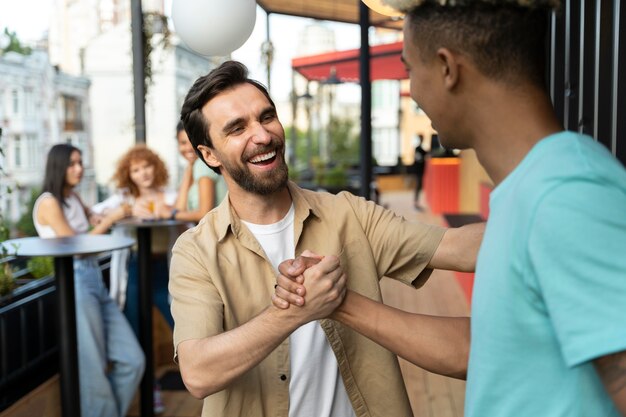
17	151
29	102
15	96
72	113
32	151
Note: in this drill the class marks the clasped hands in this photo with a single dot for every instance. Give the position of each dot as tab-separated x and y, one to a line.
319	279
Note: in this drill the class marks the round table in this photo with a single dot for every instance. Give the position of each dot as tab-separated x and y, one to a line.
144	250
63	249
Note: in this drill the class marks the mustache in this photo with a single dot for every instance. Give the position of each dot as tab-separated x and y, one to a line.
274	145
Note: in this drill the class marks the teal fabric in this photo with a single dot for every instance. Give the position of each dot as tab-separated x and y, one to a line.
200	169
550	289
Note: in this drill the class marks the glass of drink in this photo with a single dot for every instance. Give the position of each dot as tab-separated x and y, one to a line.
127	200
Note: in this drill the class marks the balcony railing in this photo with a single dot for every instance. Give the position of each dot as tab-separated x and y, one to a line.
29	341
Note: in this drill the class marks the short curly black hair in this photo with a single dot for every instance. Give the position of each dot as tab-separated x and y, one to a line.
504	40
223	78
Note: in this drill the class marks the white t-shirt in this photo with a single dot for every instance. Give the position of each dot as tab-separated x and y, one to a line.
316	388
72	210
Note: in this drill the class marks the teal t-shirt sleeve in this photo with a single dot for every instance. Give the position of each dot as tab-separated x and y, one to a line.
577	250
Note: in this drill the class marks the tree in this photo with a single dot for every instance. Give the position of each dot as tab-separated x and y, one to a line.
14	44
343	141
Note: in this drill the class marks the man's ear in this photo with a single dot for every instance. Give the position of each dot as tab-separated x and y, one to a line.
449	64
209	156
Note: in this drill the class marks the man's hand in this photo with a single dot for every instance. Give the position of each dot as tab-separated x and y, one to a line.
325	287
289	288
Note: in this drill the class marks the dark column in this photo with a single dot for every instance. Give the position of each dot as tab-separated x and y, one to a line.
139	75
366	102
70	387
618	134
144	244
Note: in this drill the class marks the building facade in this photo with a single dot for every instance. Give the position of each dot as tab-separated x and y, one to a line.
103	54
39	107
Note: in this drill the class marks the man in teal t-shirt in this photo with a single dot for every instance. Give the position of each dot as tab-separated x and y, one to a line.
550	289
548	327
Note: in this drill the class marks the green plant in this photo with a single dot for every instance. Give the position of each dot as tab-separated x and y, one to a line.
25	225
7	282
40	266
336	177
343	141
153	23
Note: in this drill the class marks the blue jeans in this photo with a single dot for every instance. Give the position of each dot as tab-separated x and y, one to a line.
111	362
160	294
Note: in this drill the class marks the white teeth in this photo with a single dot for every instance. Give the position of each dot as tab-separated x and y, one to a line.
264	157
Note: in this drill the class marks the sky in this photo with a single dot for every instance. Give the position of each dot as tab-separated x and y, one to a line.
29	18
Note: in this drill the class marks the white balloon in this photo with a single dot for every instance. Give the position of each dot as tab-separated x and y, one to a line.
382	7
214	27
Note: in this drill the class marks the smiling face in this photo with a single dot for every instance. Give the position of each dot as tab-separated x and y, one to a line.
141	173
74	171
248	140
185	148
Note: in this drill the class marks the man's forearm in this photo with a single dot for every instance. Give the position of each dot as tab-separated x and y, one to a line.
459	247
612	371
437	344
209	365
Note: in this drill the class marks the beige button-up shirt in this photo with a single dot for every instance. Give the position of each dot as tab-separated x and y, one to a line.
220	279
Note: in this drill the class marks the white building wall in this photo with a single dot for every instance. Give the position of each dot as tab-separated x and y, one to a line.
108	64
74	23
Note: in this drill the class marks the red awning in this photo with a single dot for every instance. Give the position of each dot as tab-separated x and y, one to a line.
385	64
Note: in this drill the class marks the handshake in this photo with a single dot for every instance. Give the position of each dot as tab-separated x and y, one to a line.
319	280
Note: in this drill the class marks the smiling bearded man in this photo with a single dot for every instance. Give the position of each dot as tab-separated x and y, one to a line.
244	356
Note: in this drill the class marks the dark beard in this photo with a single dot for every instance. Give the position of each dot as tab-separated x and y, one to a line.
274	181
265	185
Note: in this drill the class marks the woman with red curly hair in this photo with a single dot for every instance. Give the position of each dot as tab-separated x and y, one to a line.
141	177
143	174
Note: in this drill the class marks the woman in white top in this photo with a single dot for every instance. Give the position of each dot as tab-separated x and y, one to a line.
111	362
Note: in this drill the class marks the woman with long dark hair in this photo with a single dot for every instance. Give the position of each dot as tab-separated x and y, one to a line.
111	362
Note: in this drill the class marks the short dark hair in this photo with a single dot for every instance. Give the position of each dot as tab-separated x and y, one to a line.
57	162
506	42
227	76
